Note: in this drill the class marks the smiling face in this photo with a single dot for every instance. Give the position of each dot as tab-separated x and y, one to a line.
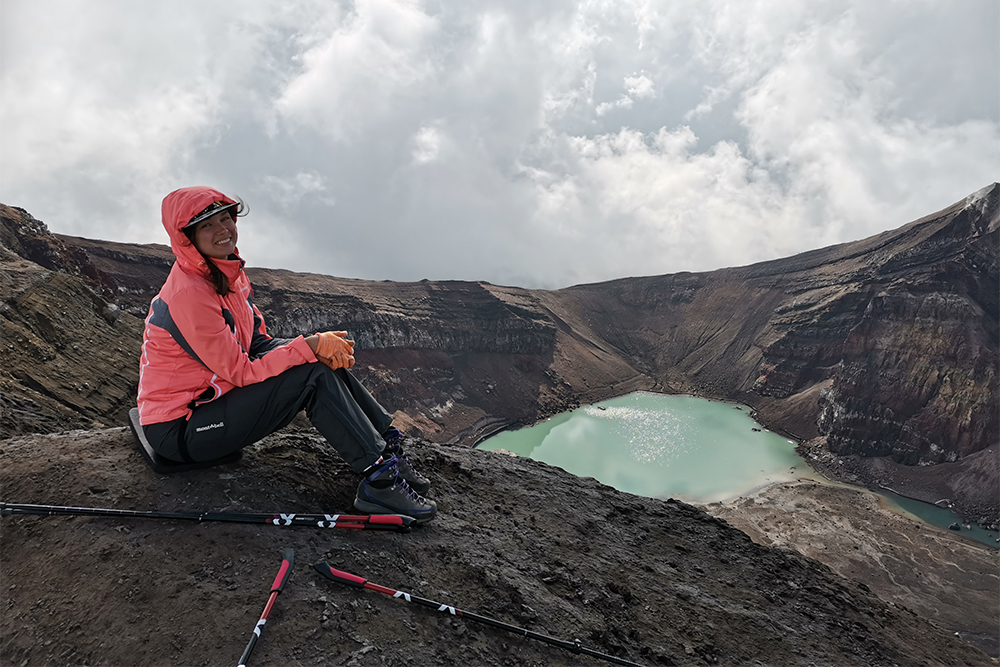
215	237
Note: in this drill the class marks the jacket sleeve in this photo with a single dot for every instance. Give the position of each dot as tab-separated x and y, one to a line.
262	343
213	343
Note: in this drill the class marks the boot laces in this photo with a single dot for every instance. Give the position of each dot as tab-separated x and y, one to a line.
398	482
403	460
405	489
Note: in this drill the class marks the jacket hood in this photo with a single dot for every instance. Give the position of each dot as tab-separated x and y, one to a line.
178	209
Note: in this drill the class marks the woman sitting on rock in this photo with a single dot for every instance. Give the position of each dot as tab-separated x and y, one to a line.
211	381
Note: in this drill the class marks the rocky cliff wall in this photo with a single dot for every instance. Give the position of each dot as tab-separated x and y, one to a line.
444	316
69	358
900	329
886	347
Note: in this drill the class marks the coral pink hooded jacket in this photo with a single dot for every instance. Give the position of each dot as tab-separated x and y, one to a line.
197	344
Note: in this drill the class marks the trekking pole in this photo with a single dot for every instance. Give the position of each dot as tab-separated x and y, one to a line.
349	579
393	522
287	562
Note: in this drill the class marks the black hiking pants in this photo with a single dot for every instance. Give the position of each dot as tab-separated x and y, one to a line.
336	403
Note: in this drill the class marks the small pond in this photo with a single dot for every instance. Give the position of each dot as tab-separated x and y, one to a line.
684	447
662	446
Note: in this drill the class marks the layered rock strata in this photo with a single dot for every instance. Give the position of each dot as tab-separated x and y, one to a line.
883	351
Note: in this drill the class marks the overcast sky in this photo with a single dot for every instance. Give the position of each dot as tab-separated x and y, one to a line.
526	142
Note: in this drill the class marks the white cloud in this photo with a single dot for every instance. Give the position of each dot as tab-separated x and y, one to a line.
826	119
623	102
673	208
538	144
636	87
640	87
289	191
426	145
103	114
379	54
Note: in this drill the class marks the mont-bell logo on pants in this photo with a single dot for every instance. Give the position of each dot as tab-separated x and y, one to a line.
209	427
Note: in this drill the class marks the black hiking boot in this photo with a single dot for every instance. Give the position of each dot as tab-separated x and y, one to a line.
384	491
394	447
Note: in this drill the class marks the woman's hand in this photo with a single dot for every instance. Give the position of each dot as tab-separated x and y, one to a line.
333	348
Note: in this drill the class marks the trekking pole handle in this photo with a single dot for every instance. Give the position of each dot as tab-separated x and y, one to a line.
340	576
287	563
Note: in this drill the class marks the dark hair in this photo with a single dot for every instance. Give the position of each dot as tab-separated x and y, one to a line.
241	209
215	274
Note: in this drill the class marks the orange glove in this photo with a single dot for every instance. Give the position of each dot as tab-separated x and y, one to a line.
335	349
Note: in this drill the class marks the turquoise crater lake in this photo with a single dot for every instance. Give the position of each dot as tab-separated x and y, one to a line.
662	446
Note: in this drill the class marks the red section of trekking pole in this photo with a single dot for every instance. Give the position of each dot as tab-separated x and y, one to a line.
287	562
340	576
388	519
355	581
394	522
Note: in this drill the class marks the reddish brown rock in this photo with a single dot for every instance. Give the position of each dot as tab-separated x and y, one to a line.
886	347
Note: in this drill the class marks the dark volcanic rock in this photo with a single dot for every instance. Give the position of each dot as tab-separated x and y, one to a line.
657	582
885	347
127	274
918	380
452	317
30	239
68	361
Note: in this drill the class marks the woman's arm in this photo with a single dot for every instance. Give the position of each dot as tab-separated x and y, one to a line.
201	323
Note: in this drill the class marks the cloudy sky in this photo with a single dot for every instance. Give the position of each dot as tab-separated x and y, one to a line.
538	143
